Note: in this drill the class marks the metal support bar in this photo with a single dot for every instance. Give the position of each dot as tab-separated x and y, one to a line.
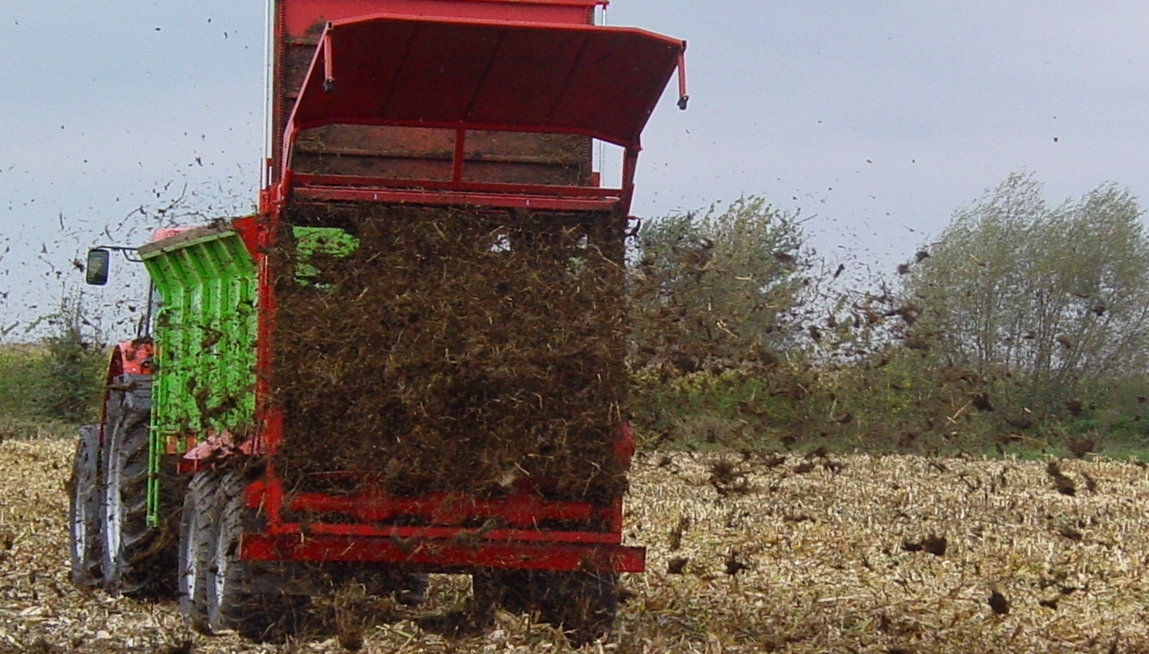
460	152
444	554
552	203
683	97
328	61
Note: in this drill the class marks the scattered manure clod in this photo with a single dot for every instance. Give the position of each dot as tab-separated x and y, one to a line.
1061	481
933	544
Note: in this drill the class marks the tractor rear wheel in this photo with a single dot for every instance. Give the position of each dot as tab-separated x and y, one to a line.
239	595
84	514
197	547
137	558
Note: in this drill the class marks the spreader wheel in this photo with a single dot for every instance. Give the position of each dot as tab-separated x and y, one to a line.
583	603
198	527
238	595
84	514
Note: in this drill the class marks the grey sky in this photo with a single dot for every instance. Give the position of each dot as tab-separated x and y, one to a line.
877	119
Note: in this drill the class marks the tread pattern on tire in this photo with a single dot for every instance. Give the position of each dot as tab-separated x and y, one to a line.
232	601
198	528
142	563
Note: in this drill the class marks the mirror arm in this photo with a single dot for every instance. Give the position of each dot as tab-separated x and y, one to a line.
130	253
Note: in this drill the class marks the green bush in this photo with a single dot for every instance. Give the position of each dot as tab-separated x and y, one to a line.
72	368
23	413
48	388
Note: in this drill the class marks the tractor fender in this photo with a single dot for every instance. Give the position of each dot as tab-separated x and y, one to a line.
131	357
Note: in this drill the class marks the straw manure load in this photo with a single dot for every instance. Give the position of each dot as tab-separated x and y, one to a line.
450	350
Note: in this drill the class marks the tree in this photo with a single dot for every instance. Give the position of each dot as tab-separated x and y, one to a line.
1053	298
712	289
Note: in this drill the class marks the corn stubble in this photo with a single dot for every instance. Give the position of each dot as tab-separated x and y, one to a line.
808	562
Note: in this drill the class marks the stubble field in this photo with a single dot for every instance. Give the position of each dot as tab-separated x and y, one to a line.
818	553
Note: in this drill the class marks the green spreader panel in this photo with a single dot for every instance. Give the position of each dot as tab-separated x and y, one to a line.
205	332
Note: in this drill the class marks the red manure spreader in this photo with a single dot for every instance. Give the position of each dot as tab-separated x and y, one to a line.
411	360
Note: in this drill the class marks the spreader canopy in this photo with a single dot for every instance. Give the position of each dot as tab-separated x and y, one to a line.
387	69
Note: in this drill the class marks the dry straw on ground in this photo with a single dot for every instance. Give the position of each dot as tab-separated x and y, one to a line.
826	554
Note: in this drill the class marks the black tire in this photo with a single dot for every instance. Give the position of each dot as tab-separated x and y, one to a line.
84	510
583	603
408	588
198	528
492	589
137	558
239	596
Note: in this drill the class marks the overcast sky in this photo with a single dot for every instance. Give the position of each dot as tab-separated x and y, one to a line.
875	119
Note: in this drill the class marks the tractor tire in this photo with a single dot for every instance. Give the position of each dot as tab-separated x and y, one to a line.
582	603
198	527
84	510
137	558
239	595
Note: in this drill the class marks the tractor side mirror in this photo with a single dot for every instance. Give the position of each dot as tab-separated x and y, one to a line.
96	272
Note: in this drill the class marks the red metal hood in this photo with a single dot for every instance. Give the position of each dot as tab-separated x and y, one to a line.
397	70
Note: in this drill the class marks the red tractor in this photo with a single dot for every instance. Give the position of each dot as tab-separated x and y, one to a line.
411	359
